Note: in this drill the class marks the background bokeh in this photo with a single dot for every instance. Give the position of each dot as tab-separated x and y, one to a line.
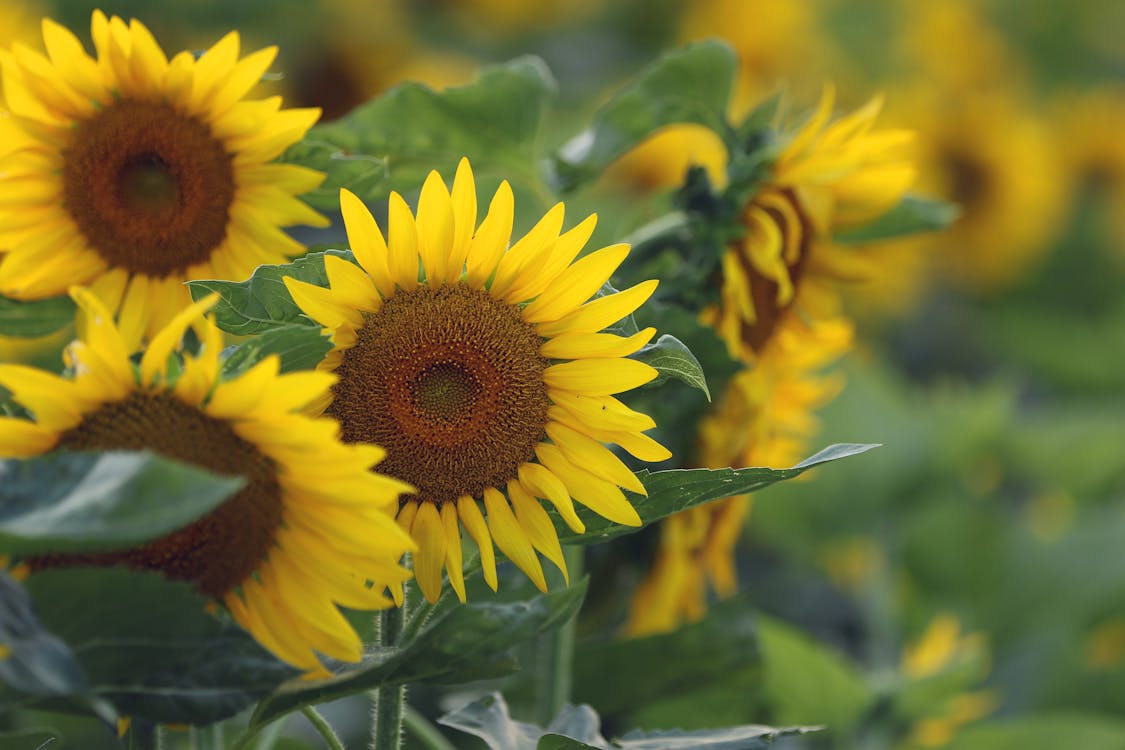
963	585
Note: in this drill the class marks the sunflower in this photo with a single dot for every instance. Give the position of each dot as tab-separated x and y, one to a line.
827	177
779	314
130	173
308	530
764	418
482	371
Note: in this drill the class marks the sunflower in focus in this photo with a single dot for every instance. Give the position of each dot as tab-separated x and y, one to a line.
129	172
779	314
482	369
309	531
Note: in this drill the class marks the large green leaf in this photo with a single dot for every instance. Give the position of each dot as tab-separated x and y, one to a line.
35	318
262	303
689	85
623	675
679	489
394	141
913	215
38	663
299	347
148	646
807	682
577	728
456	644
69	502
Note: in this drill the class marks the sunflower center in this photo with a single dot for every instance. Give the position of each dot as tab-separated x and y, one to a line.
149	187
763	290
450	381
968	178
218	551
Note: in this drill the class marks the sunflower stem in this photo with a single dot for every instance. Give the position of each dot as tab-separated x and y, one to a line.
323	728
386	715
556	652
423	731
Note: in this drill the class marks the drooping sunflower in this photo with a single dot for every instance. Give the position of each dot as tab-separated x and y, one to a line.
779	314
308	531
130	172
481	368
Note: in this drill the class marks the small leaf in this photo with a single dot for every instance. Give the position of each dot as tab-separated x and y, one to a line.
70	502
913	215
300	348
148	646
35	318
262	303
457	644
679	489
689	85
393	142
672	359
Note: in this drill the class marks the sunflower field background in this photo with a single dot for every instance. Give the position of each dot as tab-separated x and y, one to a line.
894	229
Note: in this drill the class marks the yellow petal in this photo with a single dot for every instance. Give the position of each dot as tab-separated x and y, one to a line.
600	496
540	482
491	240
576	284
429	560
22	439
350	285
582	345
154	362
529	247
599	313
453	562
435	228
598	377
403	245
464	197
321	305
537	525
477	527
366	241
594	457
512	539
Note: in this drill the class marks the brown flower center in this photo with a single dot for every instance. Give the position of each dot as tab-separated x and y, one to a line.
968	178
216	552
150	188
763	291
450	382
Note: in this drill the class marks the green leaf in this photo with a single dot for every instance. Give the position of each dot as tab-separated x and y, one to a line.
679	489
299	347
913	215
807	682
672	359
561	742
688	85
32	739
35	318
262	303
457	644
746	737
623	675
149	647
70	502
394	141
38	662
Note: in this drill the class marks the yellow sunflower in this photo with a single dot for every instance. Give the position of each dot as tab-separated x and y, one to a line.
779	313
482	371
764	418
828	177
310	529
130	172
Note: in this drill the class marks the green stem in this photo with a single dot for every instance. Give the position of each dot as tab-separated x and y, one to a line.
672	228
323	728
556	653
269	734
386	716
426	734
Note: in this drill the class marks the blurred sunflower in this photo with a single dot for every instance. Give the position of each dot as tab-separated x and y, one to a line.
481	369
991	155
130	173
306	533
1089	126
779	314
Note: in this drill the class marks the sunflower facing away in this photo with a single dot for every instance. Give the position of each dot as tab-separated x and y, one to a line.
482	371
779	313
130	173
309	530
